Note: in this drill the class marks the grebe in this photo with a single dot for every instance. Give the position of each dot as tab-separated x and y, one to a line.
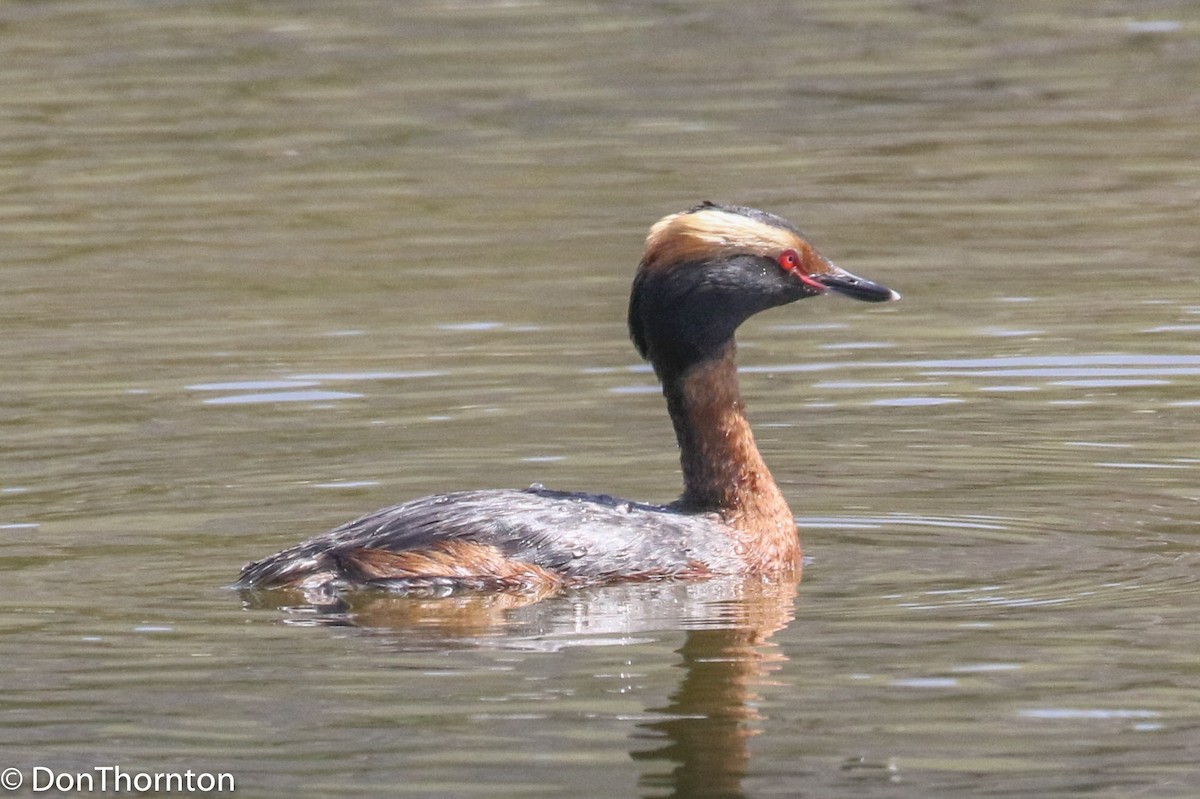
704	272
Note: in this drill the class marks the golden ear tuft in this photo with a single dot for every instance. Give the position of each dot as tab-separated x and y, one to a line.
712	233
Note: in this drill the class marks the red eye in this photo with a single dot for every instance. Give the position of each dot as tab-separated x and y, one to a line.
789	261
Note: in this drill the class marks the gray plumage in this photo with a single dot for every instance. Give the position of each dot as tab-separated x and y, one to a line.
586	538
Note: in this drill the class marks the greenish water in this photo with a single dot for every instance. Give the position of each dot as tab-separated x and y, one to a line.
268	266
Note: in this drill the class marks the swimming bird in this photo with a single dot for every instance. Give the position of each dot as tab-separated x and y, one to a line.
704	272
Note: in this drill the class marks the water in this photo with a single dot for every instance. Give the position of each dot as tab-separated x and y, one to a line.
267	267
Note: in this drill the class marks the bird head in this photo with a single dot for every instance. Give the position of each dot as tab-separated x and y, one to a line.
707	270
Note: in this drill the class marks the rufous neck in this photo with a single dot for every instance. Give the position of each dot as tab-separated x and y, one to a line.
722	468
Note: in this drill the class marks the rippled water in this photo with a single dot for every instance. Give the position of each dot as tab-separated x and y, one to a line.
268	267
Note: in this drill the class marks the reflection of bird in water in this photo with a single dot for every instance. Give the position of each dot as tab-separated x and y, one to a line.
694	744
702	735
704	272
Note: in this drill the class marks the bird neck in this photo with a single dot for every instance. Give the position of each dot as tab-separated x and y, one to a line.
723	471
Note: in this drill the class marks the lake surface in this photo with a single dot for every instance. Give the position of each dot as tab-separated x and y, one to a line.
266	267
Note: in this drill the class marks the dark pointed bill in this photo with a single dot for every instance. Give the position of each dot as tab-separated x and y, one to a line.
841	281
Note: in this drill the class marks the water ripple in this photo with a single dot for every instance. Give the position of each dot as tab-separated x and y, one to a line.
282	396
300	388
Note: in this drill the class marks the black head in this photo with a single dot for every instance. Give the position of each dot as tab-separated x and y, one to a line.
707	270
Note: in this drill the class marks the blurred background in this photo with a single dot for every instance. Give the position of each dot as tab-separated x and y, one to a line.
267	266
